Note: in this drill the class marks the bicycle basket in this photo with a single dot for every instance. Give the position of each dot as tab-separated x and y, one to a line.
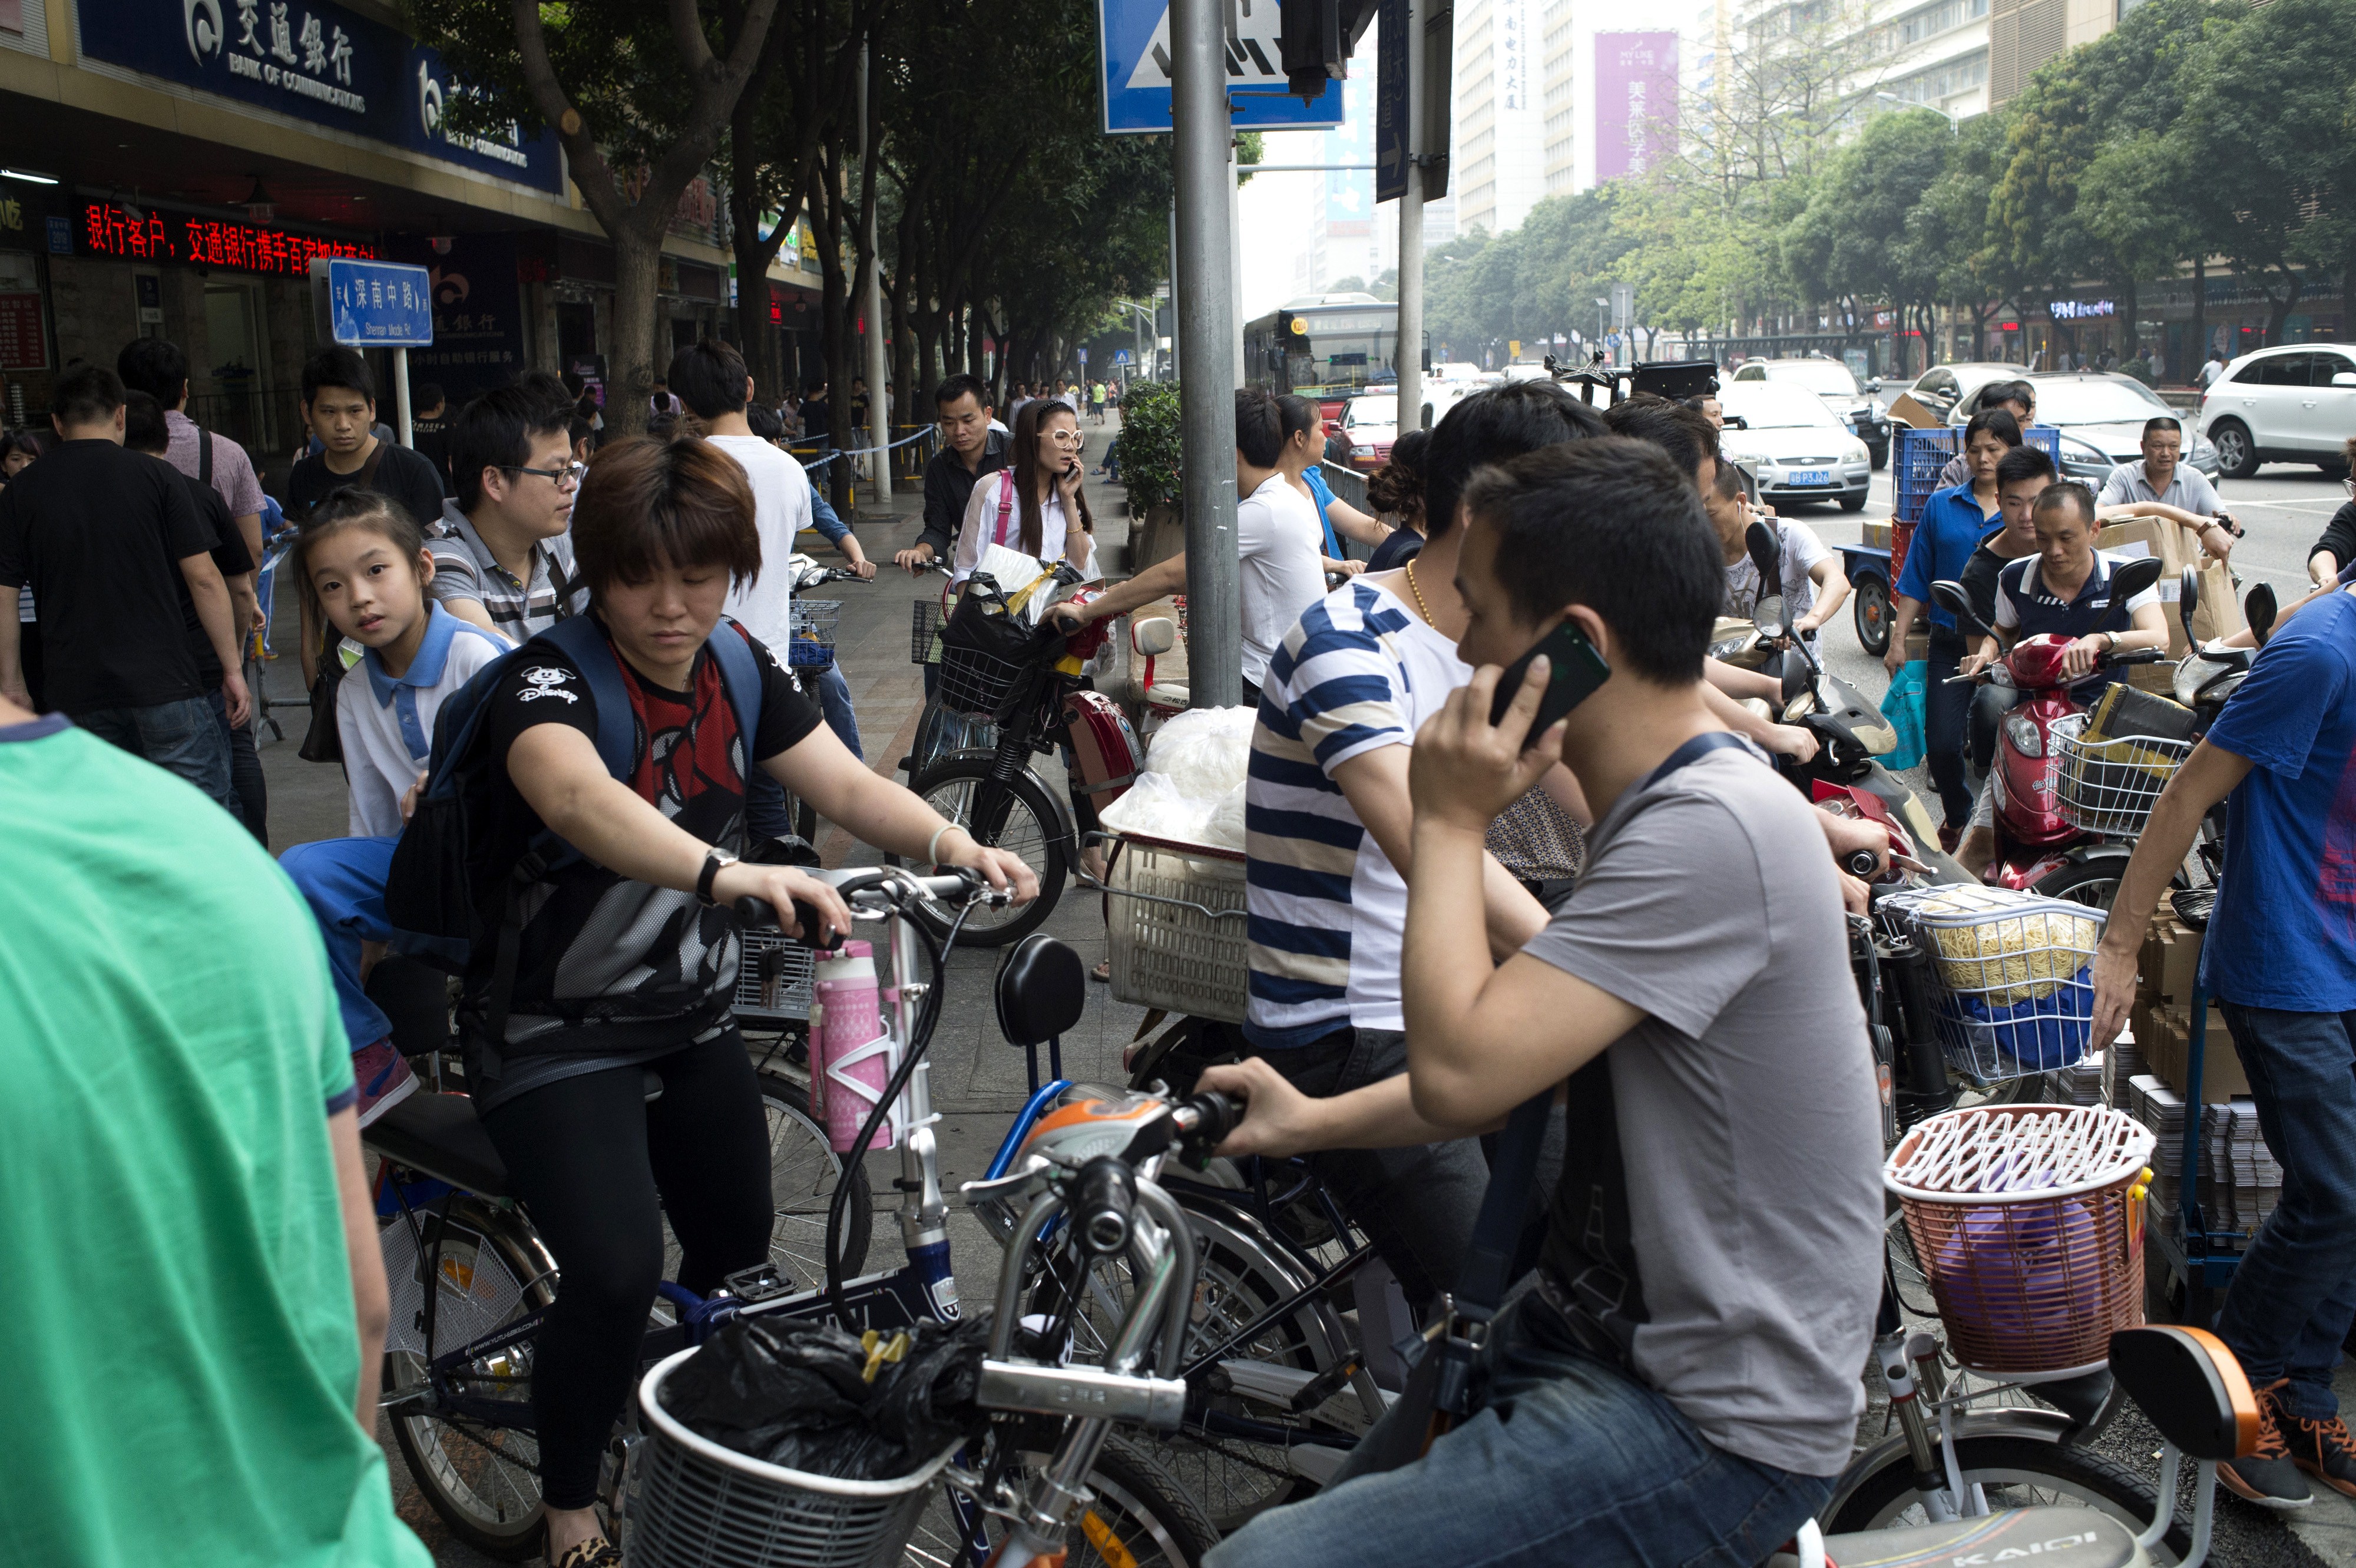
924	632
2110	786
697	1505
1166	951
976	683
2028	1221
812	623
2012	991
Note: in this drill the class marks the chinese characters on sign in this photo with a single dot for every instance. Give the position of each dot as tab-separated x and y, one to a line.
24	346
378	304
326	53
1513	55
107	229
2081	309
1635	101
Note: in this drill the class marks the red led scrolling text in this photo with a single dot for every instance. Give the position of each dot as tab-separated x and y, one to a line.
108	231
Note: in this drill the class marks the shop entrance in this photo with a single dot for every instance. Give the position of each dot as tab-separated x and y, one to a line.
229	396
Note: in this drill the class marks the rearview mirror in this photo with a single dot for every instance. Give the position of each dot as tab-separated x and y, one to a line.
2136	576
1796	680
2343	378
2261	610
1949	596
1758	541
2188	596
1153	637
1768	616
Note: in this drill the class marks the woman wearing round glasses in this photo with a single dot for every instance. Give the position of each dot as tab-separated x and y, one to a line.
1035	506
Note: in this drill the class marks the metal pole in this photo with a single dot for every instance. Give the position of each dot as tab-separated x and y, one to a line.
1406	353
1202	136
1172	370
871	291
401	396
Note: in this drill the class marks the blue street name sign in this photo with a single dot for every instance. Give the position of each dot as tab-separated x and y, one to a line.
378	305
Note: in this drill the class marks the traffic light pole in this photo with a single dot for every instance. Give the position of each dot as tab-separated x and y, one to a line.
1203	241
1407	354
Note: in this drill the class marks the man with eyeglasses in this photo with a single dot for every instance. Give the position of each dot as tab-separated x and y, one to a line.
503	561
971	446
339	405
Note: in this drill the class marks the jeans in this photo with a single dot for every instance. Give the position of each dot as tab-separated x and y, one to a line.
179	738
588	1155
1946	716
1416	1205
244	772
1569	1459
834	702
2294	1295
343	882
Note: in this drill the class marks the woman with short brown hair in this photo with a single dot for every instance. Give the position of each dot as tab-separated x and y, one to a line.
626	959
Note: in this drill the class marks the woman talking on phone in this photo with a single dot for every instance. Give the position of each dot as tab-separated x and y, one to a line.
1035	505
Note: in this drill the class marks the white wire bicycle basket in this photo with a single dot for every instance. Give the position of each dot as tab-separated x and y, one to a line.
2012	989
2110	786
695	1504
811	623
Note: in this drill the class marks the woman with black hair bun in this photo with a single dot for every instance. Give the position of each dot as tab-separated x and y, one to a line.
1396	490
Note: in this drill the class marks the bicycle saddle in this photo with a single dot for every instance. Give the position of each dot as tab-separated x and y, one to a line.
1042	990
440	1135
2058	1537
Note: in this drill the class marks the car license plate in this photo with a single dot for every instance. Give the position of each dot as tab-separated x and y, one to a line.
1809	477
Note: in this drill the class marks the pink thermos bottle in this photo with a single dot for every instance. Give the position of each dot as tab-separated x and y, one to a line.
851	1050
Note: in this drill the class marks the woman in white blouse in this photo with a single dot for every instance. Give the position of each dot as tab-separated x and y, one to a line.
1035	505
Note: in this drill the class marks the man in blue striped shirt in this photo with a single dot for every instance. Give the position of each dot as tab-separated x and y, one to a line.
1326	823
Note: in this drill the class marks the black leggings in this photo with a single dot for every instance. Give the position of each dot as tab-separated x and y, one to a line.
587	1156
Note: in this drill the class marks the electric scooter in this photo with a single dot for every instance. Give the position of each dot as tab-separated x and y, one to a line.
2038	849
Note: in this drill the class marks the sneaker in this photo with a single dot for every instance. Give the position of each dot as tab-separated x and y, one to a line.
2324	1450
2269	1477
383	1079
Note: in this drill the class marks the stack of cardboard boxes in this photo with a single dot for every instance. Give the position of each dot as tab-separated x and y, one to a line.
2162	1017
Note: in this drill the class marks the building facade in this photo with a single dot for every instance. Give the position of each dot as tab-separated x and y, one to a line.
172	166
1497	153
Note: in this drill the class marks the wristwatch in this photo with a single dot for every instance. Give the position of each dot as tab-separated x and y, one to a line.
712	862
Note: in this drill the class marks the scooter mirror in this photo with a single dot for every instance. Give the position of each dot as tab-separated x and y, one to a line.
2261	610
2136	576
2188	596
1950	597
1768	616
1759	541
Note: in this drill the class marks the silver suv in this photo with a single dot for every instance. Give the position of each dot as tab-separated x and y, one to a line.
2295	403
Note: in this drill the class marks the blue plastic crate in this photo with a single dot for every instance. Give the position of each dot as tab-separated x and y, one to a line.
1919	455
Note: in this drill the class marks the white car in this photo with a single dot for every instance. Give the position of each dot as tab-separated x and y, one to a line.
2295	403
1832	380
1796	448
1370	420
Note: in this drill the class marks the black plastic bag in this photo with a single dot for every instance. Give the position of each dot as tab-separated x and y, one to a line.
800	1395
982	622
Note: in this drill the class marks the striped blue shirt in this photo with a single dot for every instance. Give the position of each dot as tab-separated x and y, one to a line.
1360	671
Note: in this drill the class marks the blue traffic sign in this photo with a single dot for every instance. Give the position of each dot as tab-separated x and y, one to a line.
1134	55
378	305
1120	356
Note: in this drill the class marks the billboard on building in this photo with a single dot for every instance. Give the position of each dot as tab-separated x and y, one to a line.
1635	101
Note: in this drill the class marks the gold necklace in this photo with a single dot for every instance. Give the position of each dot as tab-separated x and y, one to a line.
1422	608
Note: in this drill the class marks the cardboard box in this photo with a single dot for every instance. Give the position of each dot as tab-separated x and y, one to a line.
2171	1055
2169	960
2219	613
1875	534
1904	410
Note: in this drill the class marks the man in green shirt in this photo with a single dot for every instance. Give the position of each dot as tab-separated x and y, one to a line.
197	1301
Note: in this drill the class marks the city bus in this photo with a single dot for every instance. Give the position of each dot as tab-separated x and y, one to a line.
1326	347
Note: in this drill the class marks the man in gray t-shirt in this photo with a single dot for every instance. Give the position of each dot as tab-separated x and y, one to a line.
1680	1382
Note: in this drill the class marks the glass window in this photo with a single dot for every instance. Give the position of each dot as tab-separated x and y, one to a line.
2326	366
2283	369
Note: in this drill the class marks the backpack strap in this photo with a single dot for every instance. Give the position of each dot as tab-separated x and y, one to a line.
740	675
583	641
204	455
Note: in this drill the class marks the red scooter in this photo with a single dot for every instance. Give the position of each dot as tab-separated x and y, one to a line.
2038	848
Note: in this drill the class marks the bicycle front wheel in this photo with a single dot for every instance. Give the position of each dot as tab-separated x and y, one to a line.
1139	1517
2013	1473
1019	817
482	1479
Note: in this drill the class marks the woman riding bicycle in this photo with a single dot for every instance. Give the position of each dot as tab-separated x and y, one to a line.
627	957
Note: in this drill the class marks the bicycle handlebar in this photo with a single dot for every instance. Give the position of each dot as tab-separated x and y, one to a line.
875	894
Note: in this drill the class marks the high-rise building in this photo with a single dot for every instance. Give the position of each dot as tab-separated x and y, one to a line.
1932	53
1497	165
2025	34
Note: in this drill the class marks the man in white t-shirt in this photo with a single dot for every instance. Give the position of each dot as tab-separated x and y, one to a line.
1808	575
1277	539
710	378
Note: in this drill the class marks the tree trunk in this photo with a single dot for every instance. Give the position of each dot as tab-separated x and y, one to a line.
638	267
2199	349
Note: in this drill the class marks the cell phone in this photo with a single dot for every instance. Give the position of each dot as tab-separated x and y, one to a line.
1576	671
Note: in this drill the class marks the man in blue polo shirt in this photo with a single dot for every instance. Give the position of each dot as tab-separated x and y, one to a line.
2280	958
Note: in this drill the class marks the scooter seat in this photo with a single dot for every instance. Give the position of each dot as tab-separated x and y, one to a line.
2053	1537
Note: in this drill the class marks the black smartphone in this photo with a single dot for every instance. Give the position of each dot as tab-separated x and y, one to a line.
1577	670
